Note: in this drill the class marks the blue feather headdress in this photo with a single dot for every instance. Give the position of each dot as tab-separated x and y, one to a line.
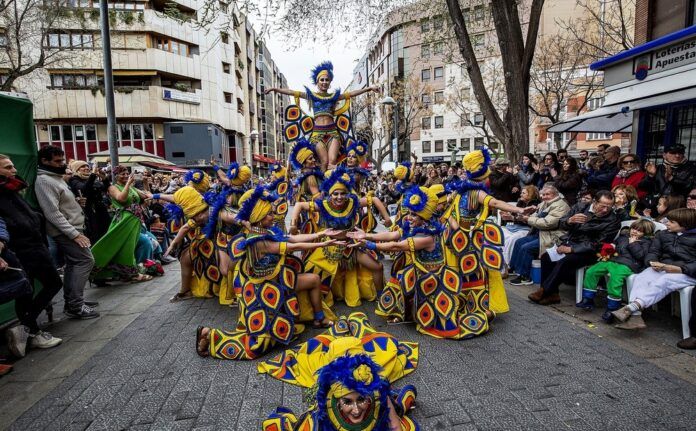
325	66
195	176
300	144
338	175
342	370
484	166
422	200
173	212
360	148
463	185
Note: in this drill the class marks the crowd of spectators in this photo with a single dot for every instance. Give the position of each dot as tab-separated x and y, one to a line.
56	243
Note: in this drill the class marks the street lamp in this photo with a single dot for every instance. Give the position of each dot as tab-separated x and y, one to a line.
389	101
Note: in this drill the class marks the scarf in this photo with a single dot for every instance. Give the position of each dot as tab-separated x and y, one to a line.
623	173
82	176
55	170
14	184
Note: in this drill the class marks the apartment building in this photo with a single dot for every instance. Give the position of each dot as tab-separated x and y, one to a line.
416	48
182	91
650	87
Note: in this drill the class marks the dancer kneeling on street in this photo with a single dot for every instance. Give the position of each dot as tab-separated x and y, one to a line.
275	294
672	260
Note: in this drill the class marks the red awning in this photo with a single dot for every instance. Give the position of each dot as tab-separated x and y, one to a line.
260	158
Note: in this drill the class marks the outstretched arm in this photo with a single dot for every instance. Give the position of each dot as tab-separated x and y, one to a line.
273	247
178	239
286	91
299	207
360	235
419	243
348	94
497	204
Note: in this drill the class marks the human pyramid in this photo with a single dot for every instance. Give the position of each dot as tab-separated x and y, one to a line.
445	275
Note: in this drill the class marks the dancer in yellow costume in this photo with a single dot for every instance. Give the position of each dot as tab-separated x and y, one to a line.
224	229
356	155
351	367
325	133
404	174
349	273
302	158
473	242
275	294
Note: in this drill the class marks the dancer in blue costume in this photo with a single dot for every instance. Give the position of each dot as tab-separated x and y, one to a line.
325	133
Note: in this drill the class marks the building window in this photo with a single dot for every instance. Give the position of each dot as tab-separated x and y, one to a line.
426	146
78	80
478	143
3	39
464	144
439	97
425	100
479	13
425	75
437	23
224	37
478	119
226	67
425	51
439	146
74	40
136	134
228	97
438	48
439	73
439	122
425	26
173	46
598	136
595	103
425	123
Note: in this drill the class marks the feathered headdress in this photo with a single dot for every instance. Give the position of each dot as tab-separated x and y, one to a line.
476	164
321	69
250	210
336	178
359	147
421	201
238	175
403	171
346	374
300	152
197	179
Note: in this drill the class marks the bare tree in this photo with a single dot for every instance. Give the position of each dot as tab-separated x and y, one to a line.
561	81
604	27
26	48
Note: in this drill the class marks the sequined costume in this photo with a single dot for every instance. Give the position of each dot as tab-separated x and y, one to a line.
350	357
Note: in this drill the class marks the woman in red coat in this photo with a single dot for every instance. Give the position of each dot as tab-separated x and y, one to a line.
631	173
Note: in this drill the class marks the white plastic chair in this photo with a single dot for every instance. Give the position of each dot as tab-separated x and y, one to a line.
684	304
580	273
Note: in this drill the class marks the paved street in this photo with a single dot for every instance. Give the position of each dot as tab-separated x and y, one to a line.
537	369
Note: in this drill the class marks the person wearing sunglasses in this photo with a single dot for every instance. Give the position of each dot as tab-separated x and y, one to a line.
691	199
630	173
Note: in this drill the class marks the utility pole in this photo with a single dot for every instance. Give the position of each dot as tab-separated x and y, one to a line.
108	85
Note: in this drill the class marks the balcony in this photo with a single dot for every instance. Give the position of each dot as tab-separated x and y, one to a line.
133	102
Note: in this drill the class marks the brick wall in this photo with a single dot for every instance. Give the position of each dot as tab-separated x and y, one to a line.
642	32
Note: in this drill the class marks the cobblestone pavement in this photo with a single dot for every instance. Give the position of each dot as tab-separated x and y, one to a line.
534	370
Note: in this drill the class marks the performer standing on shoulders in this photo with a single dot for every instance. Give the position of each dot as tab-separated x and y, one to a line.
325	136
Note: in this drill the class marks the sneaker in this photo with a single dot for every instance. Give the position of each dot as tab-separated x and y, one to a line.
84	313
44	340
92	304
585	304
635	322
168	259
622	314
17	340
687	343
521	281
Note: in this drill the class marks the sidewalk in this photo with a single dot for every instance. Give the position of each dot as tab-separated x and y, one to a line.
42	370
538	368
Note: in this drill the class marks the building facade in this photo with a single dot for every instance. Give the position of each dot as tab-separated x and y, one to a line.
174	81
438	112
650	88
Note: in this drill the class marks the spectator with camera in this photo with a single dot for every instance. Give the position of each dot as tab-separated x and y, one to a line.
90	185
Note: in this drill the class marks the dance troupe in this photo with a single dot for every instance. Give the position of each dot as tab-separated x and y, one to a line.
234	245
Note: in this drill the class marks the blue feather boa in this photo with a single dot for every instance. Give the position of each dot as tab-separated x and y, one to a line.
275	235
173	212
316	172
432	228
217	205
336	222
464	185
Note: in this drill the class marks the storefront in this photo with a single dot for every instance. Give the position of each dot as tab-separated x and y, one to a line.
651	91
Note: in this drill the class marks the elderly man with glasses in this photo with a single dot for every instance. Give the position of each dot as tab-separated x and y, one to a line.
588	226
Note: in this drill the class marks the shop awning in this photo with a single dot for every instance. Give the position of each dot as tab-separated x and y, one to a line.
618	118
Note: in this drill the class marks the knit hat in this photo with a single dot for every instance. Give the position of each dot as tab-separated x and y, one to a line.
421	200
190	201
77	164
476	164
255	204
